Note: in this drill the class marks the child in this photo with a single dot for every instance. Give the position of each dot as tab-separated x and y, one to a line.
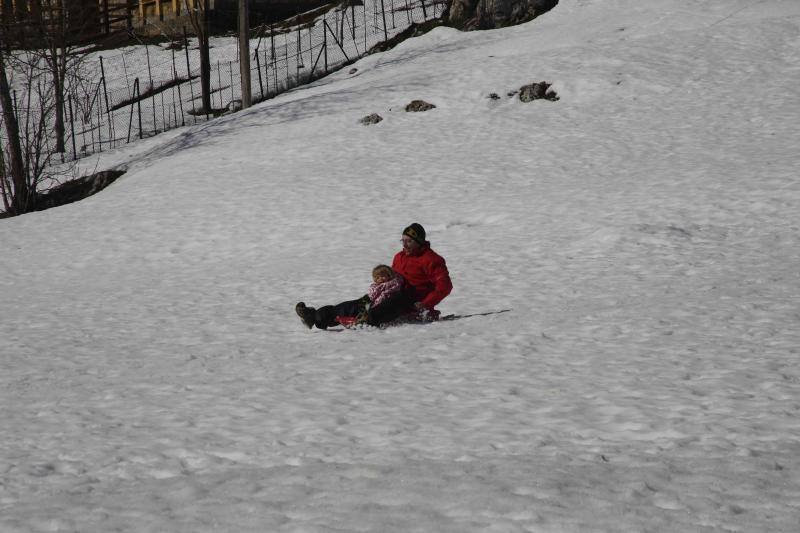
387	283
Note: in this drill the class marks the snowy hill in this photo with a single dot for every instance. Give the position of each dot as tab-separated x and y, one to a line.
644	230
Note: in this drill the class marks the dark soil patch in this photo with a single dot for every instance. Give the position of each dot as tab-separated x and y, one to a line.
418	106
374	118
537	91
415	30
77	189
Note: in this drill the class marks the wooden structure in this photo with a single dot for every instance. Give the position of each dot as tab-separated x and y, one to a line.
222	13
88	20
24	22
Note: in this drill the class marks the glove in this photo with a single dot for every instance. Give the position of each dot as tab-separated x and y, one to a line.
423	312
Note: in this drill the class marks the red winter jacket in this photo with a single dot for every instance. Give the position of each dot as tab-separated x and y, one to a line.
426	272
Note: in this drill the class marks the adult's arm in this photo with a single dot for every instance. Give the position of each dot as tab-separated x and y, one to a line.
442	285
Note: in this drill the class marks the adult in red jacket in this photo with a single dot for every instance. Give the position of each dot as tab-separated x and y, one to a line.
424	270
427	284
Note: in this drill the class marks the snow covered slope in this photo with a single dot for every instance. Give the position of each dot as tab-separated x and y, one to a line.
644	229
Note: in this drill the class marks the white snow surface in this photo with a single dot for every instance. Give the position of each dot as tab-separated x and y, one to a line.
644	230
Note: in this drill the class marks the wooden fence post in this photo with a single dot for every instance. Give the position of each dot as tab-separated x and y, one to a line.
100	127
106	21
383	14
72	127
244	56
219	84
138	90
189	71
130	121
105	96
258	68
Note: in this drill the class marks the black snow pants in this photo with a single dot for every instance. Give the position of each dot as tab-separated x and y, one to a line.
388	310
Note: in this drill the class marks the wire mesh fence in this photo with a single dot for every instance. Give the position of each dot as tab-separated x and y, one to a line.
140	93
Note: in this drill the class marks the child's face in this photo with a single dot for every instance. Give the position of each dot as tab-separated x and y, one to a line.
382	276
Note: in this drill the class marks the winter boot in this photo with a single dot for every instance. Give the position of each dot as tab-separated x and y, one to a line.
307	314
